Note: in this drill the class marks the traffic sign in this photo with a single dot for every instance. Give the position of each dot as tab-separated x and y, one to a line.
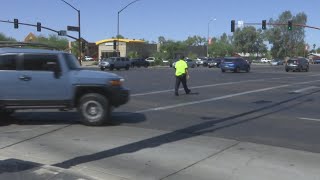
73	28
62	33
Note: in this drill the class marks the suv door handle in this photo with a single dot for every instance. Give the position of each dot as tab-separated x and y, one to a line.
25	78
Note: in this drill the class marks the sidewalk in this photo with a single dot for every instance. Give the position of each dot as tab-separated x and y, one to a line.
135	153
14	169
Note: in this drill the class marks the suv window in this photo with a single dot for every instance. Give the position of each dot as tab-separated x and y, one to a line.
8	62
292	61
71	61
33	62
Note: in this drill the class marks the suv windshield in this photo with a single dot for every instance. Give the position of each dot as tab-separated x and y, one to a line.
72	61
292	61
229	60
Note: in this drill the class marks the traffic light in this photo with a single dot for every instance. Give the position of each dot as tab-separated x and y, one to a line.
38	27
83	47
233	25
289	25
16	23
264	24
114	44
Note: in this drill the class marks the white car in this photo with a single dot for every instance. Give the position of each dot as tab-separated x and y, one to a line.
88	58
151	59
265	60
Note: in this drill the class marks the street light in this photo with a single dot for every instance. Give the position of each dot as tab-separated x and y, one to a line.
208	35
118	33
79	30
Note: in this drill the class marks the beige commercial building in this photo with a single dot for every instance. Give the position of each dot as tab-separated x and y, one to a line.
126	46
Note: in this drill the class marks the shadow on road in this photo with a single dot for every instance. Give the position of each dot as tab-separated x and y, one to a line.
63	118
181	134
16	165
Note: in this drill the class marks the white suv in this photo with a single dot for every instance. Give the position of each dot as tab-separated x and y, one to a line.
265	60
88	58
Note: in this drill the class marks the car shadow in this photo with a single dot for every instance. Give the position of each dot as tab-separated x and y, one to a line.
64	118
16	165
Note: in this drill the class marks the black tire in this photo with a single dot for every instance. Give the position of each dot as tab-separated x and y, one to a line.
102	68
111	68
98	105
127	67
248	69
287	70
222	70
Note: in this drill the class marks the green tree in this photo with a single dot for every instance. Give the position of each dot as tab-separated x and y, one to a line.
60	43
221	47
161	40
287	43
248	40
3	37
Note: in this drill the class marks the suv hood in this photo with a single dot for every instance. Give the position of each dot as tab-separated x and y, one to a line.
92	77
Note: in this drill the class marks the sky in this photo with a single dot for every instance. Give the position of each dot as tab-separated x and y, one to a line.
149	19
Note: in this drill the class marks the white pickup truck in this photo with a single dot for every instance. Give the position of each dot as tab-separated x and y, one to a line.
265	60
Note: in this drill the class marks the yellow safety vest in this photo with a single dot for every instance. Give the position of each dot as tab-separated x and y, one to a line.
181	67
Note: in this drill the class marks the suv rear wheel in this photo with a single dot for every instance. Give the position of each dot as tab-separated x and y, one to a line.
94	109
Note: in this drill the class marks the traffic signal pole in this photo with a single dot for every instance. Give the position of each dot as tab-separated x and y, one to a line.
35	25
284	24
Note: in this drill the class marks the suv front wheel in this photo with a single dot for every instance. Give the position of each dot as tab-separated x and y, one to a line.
94	109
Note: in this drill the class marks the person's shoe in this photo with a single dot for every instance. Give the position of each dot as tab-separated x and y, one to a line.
177	94
188	92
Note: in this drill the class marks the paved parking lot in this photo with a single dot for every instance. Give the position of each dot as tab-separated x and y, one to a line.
267	106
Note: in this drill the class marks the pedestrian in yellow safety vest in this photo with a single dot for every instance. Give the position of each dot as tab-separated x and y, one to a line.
181	75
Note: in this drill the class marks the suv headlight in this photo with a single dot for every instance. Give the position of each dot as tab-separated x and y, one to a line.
117	82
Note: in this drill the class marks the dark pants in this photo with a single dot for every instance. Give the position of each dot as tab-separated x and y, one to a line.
183	79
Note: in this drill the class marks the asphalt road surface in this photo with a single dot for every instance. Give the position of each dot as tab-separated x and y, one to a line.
266	106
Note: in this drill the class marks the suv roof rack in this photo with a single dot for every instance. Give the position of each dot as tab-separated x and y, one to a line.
25	45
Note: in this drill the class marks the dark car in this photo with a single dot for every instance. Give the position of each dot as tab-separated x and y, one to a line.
139	62
234	64
215	63
317	61
297	64
207	61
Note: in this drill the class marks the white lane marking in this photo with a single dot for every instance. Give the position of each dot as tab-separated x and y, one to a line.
309	119
211	99
304	89
196	87
210	85
221	97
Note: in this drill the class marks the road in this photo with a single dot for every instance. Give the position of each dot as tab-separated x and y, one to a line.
267	106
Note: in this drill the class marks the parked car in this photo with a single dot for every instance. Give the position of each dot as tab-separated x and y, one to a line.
207	61
191	63
316	61
151	59
297	64
277	62
215	62
265	60
45	79
234	64
199	61
88	58
114	63
139	62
